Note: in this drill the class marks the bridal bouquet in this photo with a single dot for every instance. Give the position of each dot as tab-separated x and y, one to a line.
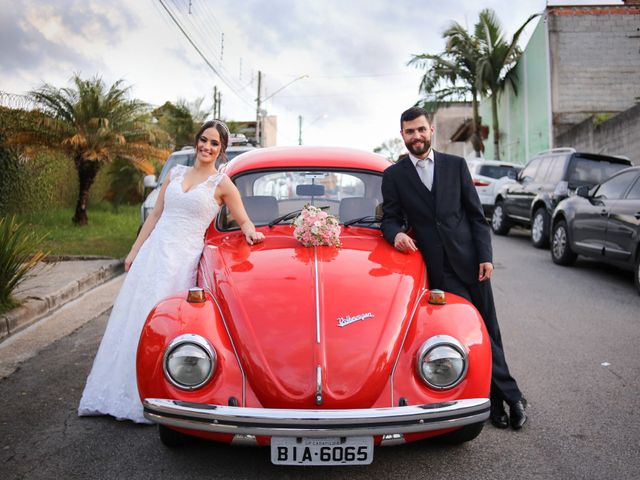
314	227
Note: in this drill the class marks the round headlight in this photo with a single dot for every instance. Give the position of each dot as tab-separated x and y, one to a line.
189	362
442	362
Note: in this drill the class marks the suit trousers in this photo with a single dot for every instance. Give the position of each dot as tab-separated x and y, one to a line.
480	294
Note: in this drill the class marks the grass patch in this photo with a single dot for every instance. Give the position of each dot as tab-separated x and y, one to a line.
109	233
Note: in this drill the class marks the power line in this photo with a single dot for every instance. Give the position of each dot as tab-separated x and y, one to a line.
203	56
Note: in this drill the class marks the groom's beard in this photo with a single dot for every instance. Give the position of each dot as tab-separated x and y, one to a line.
418	147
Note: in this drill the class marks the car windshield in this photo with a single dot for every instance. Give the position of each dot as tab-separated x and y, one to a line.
496	171
267	195
585	171
173	160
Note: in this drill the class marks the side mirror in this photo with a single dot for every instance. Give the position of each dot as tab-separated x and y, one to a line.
149	181
512	174
583	191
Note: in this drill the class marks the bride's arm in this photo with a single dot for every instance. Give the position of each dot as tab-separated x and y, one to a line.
148	226
231	197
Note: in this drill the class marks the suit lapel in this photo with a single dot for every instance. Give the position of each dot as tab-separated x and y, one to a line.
414	179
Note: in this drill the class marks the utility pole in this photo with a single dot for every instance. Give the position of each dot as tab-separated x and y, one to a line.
258	105
215	102
219	104
299	129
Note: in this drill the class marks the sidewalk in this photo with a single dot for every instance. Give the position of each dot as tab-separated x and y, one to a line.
51	285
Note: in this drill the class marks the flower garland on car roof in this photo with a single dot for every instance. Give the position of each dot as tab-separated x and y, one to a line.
314	227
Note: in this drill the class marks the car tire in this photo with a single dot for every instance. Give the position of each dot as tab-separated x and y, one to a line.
561	252
540	228
172	438
462	435
500	223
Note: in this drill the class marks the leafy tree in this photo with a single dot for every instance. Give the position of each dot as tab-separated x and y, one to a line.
92	124
496	62
451	75
391	149
177	121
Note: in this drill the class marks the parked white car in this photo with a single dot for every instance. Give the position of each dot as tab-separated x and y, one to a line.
186	156
488	176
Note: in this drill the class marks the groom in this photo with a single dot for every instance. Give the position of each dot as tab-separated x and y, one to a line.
434	195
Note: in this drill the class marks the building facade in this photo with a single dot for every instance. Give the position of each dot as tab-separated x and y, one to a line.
580	69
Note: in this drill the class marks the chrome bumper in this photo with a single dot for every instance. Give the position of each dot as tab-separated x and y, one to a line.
316	423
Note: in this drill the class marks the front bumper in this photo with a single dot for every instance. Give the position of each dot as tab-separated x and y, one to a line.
316	423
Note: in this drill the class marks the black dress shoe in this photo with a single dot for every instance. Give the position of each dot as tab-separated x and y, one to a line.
498	415
517	415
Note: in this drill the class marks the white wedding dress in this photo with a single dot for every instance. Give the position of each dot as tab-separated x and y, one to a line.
166	263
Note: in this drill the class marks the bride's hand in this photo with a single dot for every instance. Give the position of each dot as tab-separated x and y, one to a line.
129	260
254	237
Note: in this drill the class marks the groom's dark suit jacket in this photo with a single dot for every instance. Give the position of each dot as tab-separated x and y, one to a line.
448	219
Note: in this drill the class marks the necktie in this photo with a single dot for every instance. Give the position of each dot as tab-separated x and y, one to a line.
425	173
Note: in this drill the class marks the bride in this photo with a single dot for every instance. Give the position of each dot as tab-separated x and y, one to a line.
163	260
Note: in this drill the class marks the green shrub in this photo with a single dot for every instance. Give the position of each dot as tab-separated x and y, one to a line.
125	186
19	253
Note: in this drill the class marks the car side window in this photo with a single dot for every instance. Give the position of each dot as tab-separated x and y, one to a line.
556	169
529	172
634	193
615	187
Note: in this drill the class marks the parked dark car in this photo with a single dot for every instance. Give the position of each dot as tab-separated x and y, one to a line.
602	223
548	178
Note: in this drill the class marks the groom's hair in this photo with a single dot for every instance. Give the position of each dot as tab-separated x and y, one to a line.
413	113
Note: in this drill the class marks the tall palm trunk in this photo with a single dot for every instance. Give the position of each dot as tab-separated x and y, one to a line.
476	139
87	171
496	127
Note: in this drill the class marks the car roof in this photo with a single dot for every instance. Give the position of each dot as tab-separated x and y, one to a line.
305	156
483	161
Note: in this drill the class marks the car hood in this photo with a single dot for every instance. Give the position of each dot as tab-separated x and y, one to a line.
298	313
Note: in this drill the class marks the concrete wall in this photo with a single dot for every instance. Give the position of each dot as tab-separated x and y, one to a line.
446	121
595	61
619	135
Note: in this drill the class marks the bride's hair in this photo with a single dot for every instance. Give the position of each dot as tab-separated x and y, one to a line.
222	129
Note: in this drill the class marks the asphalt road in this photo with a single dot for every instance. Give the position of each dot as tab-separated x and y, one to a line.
571	337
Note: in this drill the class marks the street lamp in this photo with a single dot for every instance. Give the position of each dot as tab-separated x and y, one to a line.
259	112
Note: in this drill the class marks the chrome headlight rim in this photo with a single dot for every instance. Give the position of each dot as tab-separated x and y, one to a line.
442	341
189	339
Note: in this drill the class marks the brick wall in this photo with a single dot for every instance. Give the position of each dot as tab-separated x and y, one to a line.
595	61
619	135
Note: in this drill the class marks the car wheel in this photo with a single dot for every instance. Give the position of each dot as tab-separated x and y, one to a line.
500	224
464	434
561	252
540	228
172	438
637	272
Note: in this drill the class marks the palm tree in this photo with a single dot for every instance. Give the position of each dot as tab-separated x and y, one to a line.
495	67
452	75
92	124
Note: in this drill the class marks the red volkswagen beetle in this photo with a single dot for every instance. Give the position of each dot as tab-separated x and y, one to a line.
321	352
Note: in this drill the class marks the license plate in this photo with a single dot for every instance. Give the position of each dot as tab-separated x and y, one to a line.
322	451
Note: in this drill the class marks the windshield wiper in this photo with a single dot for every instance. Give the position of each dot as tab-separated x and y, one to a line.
290	215
369	219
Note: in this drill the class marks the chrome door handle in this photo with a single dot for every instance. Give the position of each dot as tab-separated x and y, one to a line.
637	215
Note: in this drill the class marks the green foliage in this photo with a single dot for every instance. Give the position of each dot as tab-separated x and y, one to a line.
602	117
391	149
46	179
110	233
177	121
125	186
19	253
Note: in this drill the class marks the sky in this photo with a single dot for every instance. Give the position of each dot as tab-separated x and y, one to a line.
340	65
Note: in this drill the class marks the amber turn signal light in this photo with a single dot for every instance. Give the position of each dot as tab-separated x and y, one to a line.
437	297
196	295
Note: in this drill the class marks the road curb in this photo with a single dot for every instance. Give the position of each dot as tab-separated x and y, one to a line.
36	308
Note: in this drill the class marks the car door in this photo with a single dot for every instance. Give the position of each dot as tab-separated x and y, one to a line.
519	195
623	225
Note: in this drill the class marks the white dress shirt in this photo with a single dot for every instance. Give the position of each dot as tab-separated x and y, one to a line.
424	168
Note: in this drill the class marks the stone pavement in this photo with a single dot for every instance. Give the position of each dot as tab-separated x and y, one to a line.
53	284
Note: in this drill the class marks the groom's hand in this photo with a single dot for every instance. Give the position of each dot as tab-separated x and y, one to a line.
486	269
404	243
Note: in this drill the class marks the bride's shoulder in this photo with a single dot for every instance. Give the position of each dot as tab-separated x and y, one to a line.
178	171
